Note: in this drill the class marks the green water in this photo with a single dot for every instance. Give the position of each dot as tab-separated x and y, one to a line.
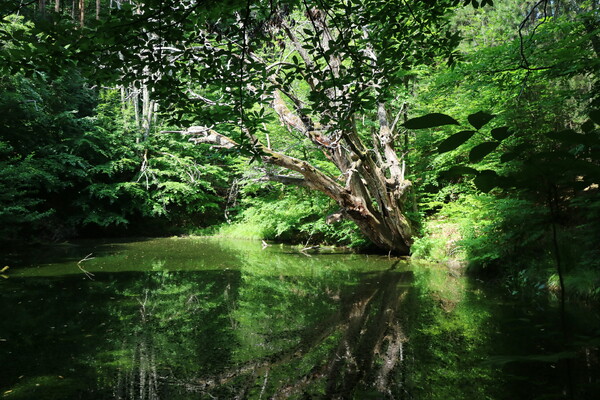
207	318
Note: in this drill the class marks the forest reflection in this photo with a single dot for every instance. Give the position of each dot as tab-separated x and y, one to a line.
188	319
278	327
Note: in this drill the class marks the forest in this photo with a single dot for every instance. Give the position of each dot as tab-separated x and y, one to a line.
464	133
447	130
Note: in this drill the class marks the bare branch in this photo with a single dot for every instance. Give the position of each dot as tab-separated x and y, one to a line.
202	134
196	96
524	61
304	124
387	142
288	118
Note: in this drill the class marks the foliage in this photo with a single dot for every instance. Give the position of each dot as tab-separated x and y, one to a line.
290	215
548	185
37	166
534	150
73	161
327	71
510	114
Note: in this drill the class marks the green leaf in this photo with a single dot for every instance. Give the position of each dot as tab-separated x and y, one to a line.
501	133
500	361
479	119
487	180
430	121
506	157
587	126
522	147
481	150
454	141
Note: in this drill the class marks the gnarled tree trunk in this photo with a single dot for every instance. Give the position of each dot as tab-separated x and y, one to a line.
374	201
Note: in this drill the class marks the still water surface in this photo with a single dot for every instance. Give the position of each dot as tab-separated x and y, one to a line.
192	318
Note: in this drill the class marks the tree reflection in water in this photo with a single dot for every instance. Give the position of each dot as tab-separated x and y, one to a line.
179	319
174	326
279	327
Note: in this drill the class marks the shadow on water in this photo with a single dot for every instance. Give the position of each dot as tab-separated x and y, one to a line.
199	318
547	362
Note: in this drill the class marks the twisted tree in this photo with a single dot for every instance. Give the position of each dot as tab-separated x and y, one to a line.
327	72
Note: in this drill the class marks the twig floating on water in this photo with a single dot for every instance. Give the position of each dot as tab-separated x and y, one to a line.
86	258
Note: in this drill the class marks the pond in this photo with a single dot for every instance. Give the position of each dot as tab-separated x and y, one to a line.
206	318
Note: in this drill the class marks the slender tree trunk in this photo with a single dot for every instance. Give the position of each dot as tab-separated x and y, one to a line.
97	10
135	100
56	6
42	5
147	112
82	13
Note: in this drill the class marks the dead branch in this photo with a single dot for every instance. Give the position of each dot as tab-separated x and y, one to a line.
86	258
203	134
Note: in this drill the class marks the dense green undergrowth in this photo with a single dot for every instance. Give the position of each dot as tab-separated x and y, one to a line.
511	241
290	215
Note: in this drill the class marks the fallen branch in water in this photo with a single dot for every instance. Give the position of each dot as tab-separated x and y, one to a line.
308	248
86	258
